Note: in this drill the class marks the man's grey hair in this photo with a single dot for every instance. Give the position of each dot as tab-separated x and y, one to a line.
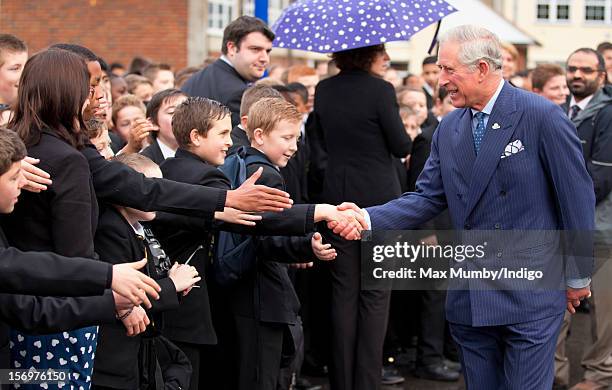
476	43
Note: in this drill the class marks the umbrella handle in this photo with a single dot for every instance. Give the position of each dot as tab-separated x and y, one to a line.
435	38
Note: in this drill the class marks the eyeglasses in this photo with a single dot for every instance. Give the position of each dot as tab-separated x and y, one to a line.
583	69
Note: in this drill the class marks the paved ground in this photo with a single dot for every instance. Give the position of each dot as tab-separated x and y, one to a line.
580	335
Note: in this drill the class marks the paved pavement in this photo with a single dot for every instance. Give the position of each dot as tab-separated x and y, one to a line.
579	336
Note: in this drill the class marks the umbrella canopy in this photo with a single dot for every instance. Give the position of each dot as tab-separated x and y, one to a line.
327	26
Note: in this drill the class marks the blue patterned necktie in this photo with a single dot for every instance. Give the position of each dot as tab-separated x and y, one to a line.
479	131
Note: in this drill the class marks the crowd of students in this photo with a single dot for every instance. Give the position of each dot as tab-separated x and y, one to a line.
124	165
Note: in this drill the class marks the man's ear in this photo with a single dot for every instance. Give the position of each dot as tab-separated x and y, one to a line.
243	121
231	48
484	68
194	137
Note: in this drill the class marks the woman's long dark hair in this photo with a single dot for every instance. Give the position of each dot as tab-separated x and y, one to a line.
53	87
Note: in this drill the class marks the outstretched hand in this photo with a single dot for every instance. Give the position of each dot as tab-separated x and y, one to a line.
253	197
237	217
322	251
133	284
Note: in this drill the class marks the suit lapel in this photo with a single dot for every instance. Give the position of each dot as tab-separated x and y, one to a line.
465	155
505	115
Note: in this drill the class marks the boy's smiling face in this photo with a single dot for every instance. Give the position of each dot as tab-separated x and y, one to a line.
213	147
280	144
10	72
11	183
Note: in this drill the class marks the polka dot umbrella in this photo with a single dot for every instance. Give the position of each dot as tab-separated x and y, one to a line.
328	26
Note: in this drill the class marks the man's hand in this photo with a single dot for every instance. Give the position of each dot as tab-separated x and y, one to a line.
136	322
133	284
301	265
252	197
237	217
574	296
351	222
38	180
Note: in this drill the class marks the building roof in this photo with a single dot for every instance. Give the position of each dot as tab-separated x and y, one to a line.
476	13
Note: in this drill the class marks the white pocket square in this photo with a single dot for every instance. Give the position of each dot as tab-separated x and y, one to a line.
513	147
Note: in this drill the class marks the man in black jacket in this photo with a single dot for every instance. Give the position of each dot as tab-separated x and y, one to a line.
590	109
247	43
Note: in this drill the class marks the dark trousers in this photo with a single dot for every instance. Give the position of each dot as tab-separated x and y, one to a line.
260	352
359	321
204	364
509	357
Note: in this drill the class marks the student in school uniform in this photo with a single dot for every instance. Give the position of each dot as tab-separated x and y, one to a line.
159	111
202	129
120	235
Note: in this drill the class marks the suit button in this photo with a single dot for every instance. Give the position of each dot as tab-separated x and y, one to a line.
499	254
459	196
467	226
497	226
502	193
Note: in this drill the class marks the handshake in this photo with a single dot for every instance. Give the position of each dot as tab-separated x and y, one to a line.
346	220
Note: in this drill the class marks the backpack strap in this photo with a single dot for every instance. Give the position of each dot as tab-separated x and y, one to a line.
258	159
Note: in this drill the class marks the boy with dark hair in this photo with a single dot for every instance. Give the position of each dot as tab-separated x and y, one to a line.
247	42
160	111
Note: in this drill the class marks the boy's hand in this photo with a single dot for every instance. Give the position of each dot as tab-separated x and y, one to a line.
141	128
322	251
38	180
238	217
136	322
183	276
252	197
133	284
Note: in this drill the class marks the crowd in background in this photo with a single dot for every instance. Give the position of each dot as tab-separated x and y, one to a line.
351	130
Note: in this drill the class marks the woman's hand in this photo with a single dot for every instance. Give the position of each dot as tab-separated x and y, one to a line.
38	180
136	322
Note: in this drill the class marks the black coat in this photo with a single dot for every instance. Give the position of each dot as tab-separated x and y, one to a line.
274	298
119	184
239	138
295	173
359	119
153	152
63	218
221	82
34	314
180	236
116	362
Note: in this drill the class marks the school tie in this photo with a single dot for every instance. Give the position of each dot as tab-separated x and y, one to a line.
479	131
575	111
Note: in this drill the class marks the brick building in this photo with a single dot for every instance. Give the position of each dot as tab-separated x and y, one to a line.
116	30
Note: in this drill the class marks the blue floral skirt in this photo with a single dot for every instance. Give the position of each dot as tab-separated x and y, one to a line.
73	351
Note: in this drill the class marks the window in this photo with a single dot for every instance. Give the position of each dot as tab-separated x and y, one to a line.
220	13
553	10
598	11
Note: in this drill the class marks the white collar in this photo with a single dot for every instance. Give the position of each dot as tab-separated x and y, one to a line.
429	89
226	60
582	104
166	150
489	107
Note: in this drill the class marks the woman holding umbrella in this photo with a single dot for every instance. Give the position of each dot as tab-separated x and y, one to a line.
358	115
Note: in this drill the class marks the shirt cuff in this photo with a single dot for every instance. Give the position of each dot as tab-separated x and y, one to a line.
578	283
366	215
